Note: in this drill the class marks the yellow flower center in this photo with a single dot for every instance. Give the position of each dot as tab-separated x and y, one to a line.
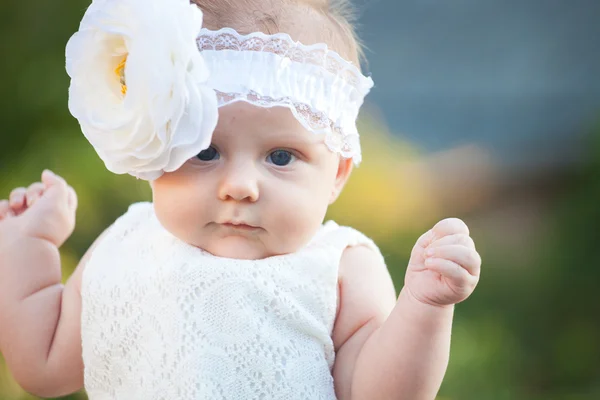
120	71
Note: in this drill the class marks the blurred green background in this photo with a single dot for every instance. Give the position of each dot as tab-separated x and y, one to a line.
532	328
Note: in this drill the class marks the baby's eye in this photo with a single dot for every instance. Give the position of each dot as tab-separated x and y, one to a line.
209	154
280	157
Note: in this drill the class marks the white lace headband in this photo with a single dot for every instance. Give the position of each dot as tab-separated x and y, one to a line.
148	100
323	91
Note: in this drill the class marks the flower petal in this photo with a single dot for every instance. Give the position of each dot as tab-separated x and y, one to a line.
167	114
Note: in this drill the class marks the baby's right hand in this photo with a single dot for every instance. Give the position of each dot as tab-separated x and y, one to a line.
45	210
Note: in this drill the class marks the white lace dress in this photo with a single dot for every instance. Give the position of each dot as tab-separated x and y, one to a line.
163	320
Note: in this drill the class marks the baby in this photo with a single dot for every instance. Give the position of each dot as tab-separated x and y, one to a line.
241	115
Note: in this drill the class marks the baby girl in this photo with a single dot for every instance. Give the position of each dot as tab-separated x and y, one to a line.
241	115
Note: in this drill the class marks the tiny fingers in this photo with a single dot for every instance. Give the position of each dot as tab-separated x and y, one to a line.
34	192
72	198
17	197
56	187
450	226
425	239
5	210
16	200
49	179
446	268
465	257
461	279
421	244
459	238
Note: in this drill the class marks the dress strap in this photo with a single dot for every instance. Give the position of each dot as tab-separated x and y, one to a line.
339	238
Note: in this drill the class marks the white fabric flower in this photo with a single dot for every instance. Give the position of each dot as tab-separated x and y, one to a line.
138	84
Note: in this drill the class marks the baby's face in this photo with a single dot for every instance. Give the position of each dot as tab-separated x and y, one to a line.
261	189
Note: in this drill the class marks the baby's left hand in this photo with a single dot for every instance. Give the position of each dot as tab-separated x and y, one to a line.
444	265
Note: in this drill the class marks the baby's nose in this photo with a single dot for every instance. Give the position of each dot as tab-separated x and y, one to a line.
239	183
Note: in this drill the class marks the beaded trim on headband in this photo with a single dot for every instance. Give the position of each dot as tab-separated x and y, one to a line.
322	90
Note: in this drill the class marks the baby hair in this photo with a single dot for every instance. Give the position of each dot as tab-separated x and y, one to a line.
308	21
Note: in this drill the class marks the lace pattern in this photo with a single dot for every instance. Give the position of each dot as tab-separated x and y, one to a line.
165	320
322	90
347	145
283	45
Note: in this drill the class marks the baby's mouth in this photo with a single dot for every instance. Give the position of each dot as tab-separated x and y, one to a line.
240	226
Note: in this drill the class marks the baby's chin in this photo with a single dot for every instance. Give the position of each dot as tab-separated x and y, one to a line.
238	248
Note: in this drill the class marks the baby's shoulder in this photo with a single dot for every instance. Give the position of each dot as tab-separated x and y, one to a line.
138	212
137	215
344	236
136	221
134	235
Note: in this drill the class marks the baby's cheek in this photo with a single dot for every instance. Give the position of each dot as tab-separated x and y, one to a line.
172	214
165	216
300	220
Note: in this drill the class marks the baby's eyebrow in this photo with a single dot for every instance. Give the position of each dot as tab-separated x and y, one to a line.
295	138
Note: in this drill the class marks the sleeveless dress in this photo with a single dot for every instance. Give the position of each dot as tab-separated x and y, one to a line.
164	320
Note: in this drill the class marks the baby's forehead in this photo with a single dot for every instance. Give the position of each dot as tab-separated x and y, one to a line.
242	120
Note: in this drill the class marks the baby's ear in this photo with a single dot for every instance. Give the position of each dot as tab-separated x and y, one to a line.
343	173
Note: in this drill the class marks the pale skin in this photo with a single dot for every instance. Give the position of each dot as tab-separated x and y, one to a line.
387	347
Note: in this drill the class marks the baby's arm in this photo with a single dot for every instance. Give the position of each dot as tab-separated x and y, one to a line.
399	351
39	318
385	351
